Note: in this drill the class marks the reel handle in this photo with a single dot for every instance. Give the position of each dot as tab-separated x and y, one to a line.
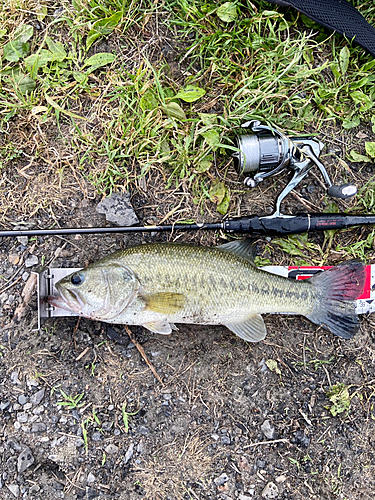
343	192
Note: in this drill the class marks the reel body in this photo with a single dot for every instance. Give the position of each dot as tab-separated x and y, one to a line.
266	152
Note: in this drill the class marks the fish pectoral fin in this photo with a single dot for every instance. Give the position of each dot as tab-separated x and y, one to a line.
251	329
159	327
165	302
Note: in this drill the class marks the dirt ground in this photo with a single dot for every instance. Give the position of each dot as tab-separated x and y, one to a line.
83	416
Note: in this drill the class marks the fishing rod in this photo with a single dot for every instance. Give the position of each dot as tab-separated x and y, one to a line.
261	152
272	225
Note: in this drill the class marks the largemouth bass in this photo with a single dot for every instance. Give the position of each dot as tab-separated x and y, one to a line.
158	285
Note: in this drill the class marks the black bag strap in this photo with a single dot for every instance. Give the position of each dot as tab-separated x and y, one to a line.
336	15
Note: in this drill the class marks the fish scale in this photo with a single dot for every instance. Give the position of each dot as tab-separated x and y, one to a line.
160	284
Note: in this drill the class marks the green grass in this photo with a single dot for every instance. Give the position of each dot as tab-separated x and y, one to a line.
96	72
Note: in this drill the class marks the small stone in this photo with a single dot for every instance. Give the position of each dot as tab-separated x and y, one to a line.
31	382
91	478
79	442
281	479
25	459
129	453
111	449
106	426
34	489
118	209
31	261
4	405
14	378
270	491
215	437
223	478
22	399
25	276
143	430
268	429
225	440
13	258
38	427
96	436
27	406
17	426
38	410
23	240
244	497
301	439
22	417
14	489
36	398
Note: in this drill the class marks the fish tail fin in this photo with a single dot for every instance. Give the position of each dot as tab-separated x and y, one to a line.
338	289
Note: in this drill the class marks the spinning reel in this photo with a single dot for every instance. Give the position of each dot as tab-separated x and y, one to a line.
266	152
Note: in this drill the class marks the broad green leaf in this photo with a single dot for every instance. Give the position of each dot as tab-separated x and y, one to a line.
91	37
80	77
57	50
190	93
148	101
362	99
373	123
227	12
103	27
344	59
41	11
15	50
370	149
23	33
217	192
212	138
208	118
352	122
357	158
273	366
203	165
174	110
56	106
26	84
2	32
98	60
38	60
339	397
222	207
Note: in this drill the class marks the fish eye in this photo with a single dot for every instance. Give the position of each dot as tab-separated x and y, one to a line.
77	279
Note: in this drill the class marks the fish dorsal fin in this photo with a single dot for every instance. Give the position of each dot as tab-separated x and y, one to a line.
243	248
165	302
159	327
251	329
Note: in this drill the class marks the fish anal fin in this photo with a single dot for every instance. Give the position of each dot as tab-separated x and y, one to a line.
251	329
165	302
161	327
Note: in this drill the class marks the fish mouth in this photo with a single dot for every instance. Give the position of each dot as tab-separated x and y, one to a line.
69	300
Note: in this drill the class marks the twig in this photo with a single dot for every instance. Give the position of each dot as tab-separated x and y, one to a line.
26	295
82	354
143	354
267	442
12	284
